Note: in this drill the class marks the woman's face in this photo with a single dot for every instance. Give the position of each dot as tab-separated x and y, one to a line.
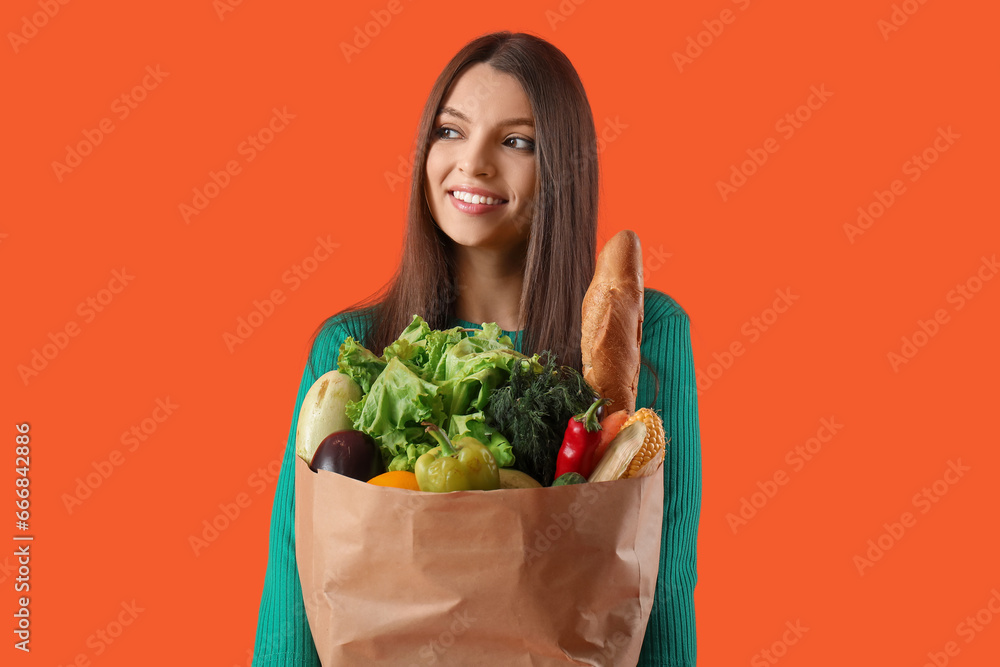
483	144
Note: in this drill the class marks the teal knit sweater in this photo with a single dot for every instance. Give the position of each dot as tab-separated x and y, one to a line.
283	635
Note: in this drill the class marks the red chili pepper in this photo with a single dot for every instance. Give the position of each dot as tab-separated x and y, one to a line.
583	433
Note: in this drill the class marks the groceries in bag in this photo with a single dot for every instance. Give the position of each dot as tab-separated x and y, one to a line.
428	393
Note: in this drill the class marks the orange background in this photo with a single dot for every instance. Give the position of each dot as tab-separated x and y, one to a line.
678	134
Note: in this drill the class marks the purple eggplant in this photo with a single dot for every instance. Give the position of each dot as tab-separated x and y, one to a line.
351	453
601	412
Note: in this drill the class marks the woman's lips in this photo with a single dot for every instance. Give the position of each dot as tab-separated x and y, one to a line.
474	209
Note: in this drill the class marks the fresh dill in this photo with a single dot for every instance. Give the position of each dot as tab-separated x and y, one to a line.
532	411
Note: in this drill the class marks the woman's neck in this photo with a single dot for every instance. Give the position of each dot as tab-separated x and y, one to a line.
488	286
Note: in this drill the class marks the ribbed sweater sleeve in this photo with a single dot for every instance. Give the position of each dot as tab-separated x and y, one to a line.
670	639
283	635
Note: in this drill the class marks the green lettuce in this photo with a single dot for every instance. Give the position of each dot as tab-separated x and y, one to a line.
359	364
392	413
475	425
411	346
445	377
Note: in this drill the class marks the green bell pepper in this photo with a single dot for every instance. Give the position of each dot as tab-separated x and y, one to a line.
465	465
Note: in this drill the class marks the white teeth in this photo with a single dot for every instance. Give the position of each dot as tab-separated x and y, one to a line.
474	199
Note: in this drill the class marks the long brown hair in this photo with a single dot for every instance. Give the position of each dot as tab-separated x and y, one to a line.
563	235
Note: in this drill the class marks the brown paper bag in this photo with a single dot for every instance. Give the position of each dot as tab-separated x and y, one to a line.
527	577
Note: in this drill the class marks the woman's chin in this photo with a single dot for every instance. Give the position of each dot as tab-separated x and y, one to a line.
482	234
471	238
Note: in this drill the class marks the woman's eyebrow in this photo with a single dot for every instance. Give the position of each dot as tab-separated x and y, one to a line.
504	123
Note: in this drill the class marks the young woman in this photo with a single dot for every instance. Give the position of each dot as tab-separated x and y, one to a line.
502	227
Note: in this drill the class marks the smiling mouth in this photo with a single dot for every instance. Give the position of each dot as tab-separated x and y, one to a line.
476	199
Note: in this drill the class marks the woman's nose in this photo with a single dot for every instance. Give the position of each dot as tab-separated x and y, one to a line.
477	157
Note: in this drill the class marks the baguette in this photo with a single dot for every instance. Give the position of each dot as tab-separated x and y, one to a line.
611	331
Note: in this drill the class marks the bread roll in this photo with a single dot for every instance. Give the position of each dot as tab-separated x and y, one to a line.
612	322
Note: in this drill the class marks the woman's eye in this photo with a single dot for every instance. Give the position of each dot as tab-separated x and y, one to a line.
520	143
526	144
